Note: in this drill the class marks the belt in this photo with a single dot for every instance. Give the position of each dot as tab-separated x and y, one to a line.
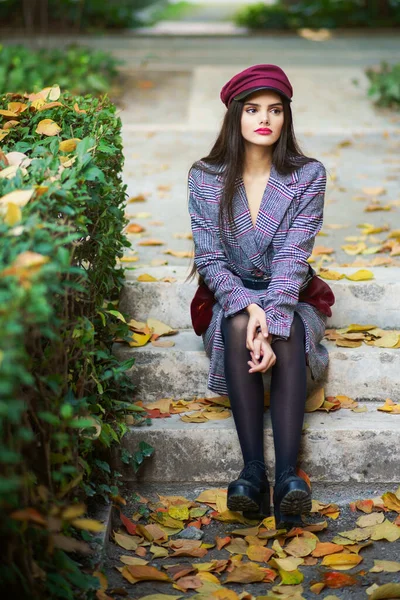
255	285
263	284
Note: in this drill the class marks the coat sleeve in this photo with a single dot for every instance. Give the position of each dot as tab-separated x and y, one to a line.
210	258
289	266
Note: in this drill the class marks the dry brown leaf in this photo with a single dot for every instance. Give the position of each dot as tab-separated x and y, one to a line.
151	242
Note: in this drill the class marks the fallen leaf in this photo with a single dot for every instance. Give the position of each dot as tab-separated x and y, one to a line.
48	127
342	560
151	242
247	573
388	590
146	277
134	228
387	566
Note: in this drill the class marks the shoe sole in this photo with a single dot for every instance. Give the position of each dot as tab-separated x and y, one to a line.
252	507
296	502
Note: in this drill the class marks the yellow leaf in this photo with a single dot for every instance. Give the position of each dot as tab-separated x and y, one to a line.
3	133
48	127
315	400
353	249
179	253
10	124
291	577
179	512
73	511
146	277
388	566
387	590
128	259
286	564
139	339
372	519
374	191
341	561
88	524
386	531
388	340
18	107
160	328
361	275
69	145
391	501
316	35
13	214
17	197
8	113
333	275
125	541
151	242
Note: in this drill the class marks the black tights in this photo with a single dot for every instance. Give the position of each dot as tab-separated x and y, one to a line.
246	392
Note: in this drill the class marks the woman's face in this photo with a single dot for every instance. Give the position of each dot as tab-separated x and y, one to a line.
262	110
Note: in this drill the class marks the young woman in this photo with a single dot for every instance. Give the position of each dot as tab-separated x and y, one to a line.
256	204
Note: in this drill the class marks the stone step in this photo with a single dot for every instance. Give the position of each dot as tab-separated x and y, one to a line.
366	372
373	302
338	447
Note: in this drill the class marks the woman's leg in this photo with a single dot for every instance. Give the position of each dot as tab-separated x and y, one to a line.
245	390
288	396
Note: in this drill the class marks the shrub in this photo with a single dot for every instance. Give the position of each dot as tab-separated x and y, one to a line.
385	84
62	392
319	13
77	69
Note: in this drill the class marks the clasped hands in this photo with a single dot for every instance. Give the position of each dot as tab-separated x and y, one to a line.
259	344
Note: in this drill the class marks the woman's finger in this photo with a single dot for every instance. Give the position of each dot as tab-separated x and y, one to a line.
251	333
257	348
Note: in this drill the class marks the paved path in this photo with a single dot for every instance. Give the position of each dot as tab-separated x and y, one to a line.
171	114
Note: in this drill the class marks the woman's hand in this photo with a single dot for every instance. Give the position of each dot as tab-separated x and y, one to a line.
263	357
257	321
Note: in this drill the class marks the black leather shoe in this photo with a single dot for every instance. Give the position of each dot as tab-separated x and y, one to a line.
292	498
250	493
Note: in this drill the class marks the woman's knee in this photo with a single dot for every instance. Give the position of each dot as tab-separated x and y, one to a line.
235	326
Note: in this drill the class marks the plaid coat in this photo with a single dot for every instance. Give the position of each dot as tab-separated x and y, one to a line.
275	250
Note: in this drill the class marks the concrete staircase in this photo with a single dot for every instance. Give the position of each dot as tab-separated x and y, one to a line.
341	447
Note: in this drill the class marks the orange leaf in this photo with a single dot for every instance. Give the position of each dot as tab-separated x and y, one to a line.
134	228
151	242
324	548
221	542
129	526
335	580
147	573
28	514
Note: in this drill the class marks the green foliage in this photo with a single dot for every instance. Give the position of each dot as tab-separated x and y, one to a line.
86	14
63	394
77	69
320	13
385	85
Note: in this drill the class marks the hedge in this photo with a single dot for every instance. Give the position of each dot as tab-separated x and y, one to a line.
63	395
79	69
319	13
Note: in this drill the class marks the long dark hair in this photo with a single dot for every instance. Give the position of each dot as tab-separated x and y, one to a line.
229	150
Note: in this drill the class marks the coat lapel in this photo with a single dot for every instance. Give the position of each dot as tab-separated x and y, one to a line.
278	195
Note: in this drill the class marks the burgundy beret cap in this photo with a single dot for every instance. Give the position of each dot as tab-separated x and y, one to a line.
255	78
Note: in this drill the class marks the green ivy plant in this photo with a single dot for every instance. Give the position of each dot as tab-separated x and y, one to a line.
64	396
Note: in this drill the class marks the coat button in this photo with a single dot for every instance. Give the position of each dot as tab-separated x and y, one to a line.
258	273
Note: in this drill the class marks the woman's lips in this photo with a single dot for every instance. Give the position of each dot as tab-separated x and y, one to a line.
263	131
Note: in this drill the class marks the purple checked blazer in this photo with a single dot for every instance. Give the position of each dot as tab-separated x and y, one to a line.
276	250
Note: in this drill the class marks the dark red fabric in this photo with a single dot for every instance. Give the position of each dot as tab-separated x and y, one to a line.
256	76
318	293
